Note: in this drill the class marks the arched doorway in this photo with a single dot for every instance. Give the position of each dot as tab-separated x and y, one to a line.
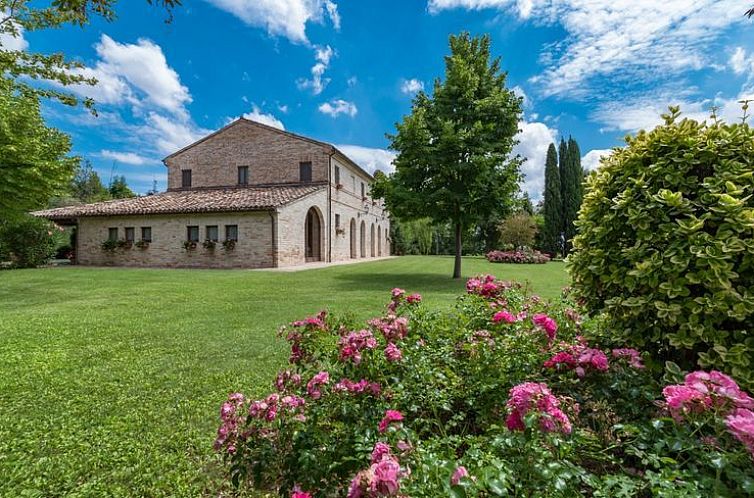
379	241
363	239
312	236
353	238
371	240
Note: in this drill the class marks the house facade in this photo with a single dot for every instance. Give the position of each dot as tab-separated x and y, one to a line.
246	196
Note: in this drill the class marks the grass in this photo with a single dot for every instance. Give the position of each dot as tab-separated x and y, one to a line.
111	379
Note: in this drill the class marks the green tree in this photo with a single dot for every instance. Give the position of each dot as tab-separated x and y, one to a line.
119	188
453	149
572	188
518	230
34	161
86	185
552	209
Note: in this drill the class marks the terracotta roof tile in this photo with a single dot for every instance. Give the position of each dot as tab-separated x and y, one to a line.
189	201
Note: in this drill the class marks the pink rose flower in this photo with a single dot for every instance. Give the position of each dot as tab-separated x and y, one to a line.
313	386
536	396
414	298
385	480
503	316
392	353
380	451
740	423
300	494
547	324
390	417
460	473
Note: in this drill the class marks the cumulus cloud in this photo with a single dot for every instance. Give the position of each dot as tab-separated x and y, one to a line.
336	107
371	159
257	115
412	86
12	37
591	160
170	135
286	18
534	139
741	63
634	40
126	157
134	73
322	56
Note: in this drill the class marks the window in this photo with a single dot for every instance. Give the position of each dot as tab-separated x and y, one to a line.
363	191
353	179
337	175
211	232
305	171
192	233
112	233
185	178
231	232
146	234
337	221
130	234
243	175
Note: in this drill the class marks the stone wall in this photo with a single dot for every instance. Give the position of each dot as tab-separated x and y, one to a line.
272	157
253	249
349	204
290	228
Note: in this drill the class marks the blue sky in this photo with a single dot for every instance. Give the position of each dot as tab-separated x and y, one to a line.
344	71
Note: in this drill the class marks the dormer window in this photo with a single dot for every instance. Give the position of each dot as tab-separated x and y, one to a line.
186	178
305	171
243	175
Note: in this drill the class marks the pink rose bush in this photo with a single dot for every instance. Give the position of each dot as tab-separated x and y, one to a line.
518	257
504	393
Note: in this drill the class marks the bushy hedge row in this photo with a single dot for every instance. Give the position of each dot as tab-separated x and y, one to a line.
503	395
29	241
518	256
665	244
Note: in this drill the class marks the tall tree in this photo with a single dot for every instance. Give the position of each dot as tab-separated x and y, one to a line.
453	161
86	185
552	209
119	188
572	188
34	161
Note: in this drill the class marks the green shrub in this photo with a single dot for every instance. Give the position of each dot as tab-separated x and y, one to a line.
30	241
665	246
499	396
518	230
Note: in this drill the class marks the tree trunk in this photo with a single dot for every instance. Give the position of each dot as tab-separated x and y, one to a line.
457	266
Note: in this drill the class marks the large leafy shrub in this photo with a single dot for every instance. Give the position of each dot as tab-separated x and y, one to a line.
666	243
30	241
519	230
503	395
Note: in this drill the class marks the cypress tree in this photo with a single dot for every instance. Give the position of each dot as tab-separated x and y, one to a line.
553	206
572	188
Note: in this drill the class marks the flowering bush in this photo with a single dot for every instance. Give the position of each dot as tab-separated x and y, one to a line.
502	395
518	256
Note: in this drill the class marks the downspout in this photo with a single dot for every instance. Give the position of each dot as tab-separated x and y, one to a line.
273	225
329	207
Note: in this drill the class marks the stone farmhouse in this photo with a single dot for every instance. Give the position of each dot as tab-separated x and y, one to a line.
245	196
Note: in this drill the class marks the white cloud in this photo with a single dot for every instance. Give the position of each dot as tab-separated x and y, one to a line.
412	86
12	37
257	115
592	158
740	63
126	157
534	139
322	55
134	73
337	107
170	135
286	18
630	40
371	159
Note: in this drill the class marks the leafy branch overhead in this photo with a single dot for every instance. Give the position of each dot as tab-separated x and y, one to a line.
17	16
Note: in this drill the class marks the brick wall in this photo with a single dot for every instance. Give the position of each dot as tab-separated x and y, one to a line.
272	157
291	236
253	250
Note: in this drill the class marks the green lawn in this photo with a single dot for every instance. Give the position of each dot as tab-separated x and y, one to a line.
111	379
